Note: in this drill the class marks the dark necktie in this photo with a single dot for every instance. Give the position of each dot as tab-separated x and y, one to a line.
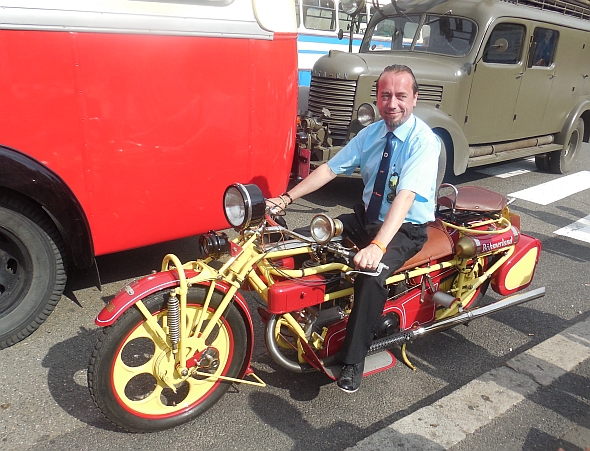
378	189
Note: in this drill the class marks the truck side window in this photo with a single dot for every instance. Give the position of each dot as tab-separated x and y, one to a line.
505	44
545	41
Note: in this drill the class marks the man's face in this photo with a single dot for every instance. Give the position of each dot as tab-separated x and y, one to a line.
395	98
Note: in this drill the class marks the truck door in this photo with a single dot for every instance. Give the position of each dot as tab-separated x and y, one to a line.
496	82
536	82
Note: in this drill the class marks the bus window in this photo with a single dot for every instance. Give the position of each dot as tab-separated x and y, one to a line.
505	44
544	42
319	15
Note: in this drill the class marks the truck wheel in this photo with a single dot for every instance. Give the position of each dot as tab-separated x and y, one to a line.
446	172
442	163
562	161
32	274
543	162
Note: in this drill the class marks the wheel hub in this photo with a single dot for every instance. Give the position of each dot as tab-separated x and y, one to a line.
13	271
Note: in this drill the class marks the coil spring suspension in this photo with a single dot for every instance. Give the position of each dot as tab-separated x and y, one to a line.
174	319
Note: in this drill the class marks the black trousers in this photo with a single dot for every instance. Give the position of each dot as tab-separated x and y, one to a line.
370	293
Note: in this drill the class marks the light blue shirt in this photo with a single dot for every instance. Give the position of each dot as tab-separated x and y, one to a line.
414	159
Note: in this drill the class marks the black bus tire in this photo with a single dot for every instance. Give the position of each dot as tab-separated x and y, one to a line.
32	272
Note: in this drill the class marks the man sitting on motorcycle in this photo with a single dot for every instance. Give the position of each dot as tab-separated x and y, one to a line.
398	160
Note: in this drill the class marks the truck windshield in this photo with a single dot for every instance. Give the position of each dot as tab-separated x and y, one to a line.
429	33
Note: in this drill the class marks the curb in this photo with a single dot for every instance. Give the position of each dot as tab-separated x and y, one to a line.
448	421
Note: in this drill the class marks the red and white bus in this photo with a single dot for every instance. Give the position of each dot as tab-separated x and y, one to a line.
121	123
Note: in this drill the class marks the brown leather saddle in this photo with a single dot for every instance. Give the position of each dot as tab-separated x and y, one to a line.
472	198
463	198
438	245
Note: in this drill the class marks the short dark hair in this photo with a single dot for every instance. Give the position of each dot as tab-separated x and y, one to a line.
398	68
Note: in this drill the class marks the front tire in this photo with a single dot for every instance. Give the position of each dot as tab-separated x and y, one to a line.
32	273
563	161
128	365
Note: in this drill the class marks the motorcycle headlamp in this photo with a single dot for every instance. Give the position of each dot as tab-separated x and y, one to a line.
352	7
323	228
366	114
243	205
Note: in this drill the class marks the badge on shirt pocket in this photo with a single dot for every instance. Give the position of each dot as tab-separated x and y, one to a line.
393	181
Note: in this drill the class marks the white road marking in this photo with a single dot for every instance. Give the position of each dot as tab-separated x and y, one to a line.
451	419
579	230
557	189
510	169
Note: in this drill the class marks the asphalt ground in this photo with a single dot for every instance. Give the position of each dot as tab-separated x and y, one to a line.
512	407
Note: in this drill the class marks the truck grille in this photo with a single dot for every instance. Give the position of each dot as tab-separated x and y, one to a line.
338	97
430	93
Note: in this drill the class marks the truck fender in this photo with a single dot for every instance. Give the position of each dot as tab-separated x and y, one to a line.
581	109
447	129
130	294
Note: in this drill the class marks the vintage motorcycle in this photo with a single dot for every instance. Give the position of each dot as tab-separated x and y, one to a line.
177	339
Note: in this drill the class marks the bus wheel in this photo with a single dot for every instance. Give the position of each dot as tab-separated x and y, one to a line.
32	273
563	160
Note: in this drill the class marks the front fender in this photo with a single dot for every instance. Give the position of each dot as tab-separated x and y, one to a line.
141	288
446	127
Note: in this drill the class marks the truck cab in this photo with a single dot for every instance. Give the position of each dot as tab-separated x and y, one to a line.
498	80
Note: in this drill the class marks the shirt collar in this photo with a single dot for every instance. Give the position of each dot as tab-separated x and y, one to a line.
402	131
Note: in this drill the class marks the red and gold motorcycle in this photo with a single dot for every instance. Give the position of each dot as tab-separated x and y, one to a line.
173	342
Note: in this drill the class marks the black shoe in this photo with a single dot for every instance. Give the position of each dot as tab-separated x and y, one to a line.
350	377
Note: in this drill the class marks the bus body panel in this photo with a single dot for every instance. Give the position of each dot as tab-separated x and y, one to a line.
142	126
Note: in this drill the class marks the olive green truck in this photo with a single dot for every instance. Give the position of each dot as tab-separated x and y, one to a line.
499	80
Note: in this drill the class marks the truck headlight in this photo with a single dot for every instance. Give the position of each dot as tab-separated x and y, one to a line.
366	114
243	205
352	7
323	228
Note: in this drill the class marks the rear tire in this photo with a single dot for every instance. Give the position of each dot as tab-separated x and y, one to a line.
32	273
563	161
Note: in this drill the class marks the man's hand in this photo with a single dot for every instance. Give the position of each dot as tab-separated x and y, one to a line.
368	258
276	204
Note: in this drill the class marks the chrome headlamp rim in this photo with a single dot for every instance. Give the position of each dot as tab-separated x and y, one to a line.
252	202
352	7
331	227
366	114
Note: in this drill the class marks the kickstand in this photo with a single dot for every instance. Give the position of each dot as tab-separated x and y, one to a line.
405	358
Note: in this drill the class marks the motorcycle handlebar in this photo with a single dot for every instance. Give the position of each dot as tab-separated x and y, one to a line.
334	248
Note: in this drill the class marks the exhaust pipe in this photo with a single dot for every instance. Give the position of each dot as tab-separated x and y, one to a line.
401	337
